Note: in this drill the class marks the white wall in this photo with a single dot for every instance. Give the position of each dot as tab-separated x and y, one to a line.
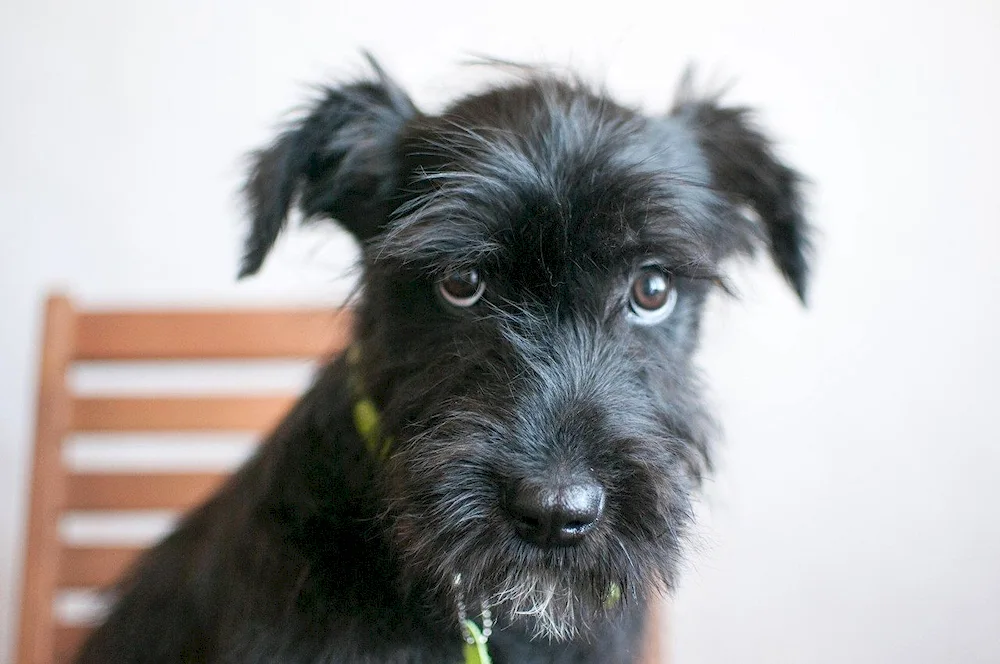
856	514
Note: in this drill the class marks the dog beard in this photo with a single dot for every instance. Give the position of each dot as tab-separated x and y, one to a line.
549	595
559	594
555	595
550	604
555	603
447	522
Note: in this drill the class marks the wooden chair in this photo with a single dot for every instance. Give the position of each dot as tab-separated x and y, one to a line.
73	336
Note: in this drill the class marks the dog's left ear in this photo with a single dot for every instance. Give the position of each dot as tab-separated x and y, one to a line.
338	162
745	169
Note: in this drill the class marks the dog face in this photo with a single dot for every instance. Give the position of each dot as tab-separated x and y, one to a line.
536	260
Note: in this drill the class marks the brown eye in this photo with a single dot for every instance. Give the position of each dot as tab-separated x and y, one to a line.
462	288
652	296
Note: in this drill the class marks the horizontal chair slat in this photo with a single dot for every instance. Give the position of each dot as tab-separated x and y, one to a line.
211	334
68	639
118	491
257	414
82	567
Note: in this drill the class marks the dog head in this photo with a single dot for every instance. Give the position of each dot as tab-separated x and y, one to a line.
536	259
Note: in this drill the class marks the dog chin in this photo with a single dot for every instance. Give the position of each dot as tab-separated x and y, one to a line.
547	606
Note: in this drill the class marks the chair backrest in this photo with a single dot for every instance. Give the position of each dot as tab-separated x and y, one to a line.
54	564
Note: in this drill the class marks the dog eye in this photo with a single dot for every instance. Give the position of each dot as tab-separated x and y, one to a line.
462	288
652	296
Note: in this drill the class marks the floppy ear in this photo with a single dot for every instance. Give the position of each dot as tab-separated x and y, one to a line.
745	169
338	162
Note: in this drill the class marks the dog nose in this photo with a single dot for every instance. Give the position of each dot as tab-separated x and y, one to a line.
559	515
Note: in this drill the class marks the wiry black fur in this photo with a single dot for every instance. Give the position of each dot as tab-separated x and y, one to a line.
317	552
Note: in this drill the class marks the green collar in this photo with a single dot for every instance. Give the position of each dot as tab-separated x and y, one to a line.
367	420
475	652
368	424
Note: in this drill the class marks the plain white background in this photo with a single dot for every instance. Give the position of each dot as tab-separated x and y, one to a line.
856	512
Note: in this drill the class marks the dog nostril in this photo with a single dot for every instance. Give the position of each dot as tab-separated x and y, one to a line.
558	515
530	521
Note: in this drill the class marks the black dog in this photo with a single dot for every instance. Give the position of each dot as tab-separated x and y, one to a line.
512	443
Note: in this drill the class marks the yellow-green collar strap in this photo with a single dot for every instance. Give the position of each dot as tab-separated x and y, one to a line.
368	424
475	652
367	420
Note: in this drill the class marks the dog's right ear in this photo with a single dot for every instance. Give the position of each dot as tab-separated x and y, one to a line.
338	162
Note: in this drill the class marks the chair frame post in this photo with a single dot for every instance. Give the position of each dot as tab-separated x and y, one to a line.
48	480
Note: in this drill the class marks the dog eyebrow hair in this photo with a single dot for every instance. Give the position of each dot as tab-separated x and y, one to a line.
448	225
440	241
440	232
436	246
681	258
